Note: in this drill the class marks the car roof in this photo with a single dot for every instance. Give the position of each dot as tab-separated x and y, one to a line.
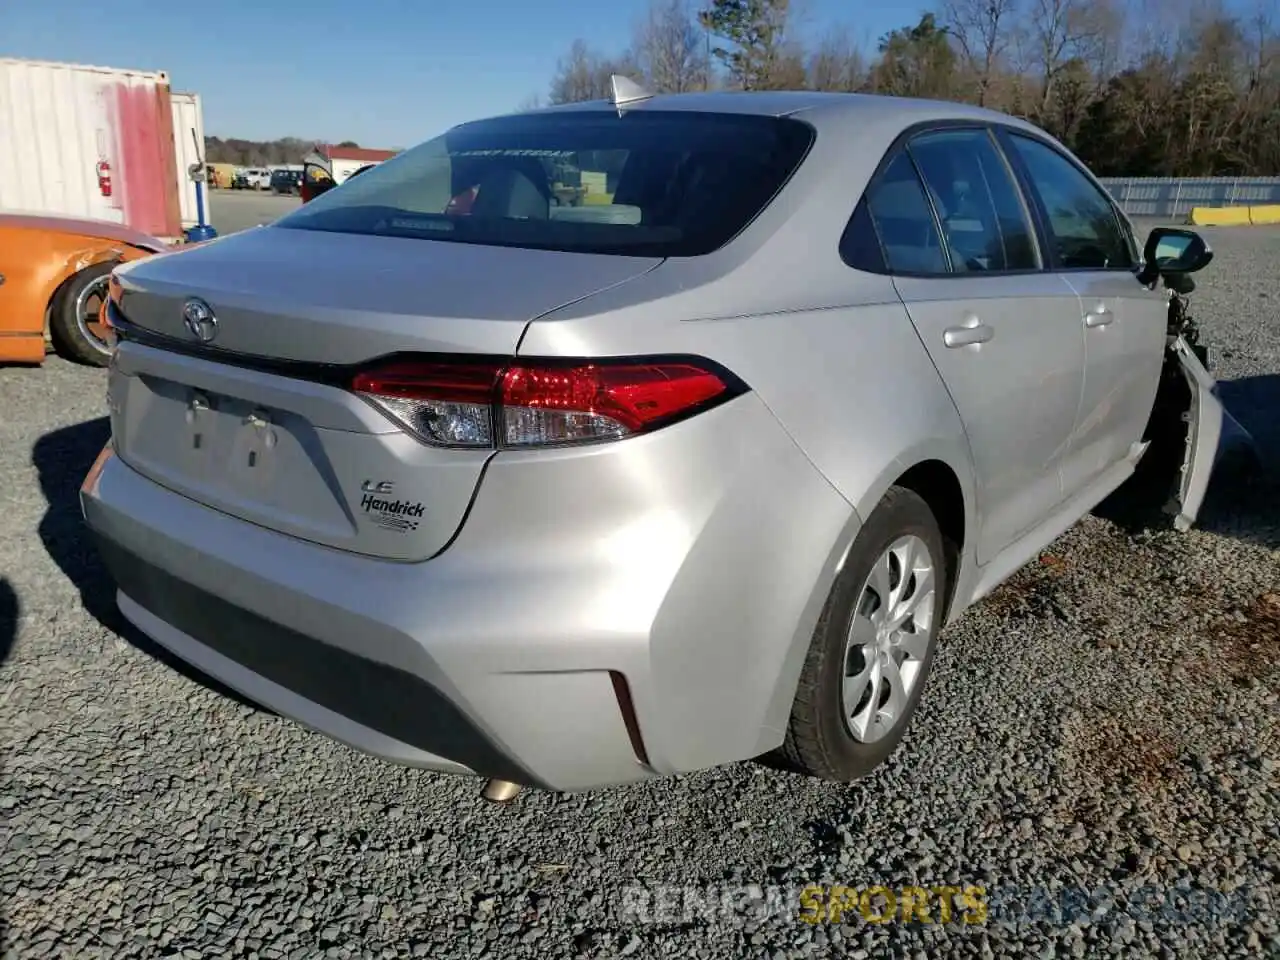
871	107
871	117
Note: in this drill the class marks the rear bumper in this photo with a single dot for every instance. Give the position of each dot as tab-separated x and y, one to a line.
693	563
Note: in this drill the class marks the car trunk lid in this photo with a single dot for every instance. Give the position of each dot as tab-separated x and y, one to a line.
319	297
260	422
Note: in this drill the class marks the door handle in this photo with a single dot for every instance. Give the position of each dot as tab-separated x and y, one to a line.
970	334
1100	316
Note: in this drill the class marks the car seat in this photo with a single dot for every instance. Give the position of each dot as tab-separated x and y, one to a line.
513	188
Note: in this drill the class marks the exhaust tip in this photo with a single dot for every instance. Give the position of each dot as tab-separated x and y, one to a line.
500	791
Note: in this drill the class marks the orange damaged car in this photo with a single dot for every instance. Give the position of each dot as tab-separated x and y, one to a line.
54	272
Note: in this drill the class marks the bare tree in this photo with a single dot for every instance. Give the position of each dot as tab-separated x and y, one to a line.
575	76
1262	53
983	29
1106	24
788	70
583	75
1060	31
1156	26
1184	88
671	49
837	65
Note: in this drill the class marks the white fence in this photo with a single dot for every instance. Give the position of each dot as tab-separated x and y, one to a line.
1173	197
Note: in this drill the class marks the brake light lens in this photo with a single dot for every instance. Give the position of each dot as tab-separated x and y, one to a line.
445	404
532	403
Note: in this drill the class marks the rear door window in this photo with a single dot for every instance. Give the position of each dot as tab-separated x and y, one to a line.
984	222
648	183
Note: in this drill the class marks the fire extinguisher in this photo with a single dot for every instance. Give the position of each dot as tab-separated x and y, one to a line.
104	178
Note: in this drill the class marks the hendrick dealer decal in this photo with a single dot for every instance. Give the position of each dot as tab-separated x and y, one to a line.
391	514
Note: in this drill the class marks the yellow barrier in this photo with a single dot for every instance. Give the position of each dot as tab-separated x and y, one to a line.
1219	216
1269	214
1235	216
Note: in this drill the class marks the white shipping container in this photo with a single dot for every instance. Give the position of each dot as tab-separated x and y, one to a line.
96	142
188	118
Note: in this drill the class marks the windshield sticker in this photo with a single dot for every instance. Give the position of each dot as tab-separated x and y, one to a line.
514	152
433	223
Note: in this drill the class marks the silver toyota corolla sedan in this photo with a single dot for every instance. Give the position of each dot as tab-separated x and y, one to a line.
623	439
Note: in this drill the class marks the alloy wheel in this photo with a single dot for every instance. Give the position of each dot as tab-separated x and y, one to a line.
889	639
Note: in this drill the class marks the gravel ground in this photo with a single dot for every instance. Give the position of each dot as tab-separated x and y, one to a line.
1098	750
232	210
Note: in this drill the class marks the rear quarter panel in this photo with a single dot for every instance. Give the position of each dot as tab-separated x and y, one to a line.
35	263
859	397
830	350
851	383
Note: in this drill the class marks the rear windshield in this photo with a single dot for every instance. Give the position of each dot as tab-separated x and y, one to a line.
648	183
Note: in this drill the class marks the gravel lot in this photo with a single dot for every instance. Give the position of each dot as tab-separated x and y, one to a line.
1098	749
232	210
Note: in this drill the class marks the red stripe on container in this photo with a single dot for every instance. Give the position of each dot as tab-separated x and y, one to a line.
142	168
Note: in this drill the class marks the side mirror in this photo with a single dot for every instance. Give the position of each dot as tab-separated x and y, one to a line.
1174	252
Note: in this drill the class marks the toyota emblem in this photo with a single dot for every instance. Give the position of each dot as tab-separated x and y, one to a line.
199	318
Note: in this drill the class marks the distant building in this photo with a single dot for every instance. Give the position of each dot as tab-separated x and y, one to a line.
344	161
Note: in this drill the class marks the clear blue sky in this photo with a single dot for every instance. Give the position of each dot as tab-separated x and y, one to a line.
385	73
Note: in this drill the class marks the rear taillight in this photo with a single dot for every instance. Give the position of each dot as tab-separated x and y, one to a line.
541	403
445	404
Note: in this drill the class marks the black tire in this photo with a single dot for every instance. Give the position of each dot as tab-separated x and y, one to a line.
818	741
69	340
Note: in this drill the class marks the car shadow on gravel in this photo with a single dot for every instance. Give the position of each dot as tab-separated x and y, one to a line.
62	458
1245	487
9	611
1254	403
1242	496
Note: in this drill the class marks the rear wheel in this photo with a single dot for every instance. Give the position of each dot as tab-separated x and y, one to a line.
74	319
873	646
